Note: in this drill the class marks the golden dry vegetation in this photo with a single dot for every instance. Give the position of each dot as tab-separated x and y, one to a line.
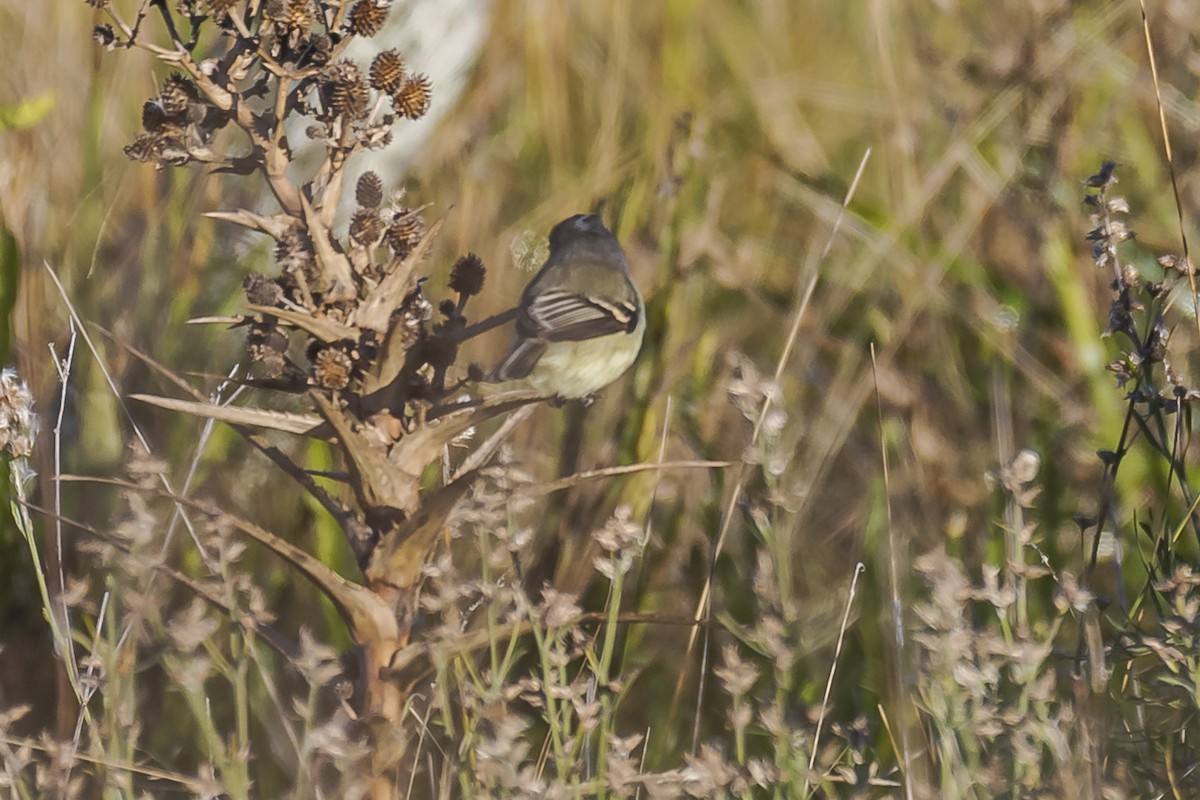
861	232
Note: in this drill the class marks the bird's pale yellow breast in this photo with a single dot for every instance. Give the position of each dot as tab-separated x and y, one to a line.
585	366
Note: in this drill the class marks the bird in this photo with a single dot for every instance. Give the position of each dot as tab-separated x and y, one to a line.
581	320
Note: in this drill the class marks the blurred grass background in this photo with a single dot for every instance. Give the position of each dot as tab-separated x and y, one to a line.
721	138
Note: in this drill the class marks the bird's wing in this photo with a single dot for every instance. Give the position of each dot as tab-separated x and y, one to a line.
520	360
562	316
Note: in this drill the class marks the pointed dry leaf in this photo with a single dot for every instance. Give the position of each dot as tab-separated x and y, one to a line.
324	329
376	311
334	264
381	484
402	554
368	615
238	415
274	226
233	320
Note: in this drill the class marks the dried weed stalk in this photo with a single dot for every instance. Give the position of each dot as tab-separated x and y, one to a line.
377	355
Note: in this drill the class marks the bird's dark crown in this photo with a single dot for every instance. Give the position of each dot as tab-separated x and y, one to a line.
576	227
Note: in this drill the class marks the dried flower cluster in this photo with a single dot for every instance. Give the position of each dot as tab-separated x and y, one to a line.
1156	643
997	716
1136	301
18	422
356	301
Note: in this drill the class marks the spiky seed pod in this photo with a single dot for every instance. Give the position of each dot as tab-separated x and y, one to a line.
387	71
414	97
367	17
345	90
104	35
294	254
365	226
261	290
177	95
405	230
293	15
466	277
369	189
221	5
351	98
332	368
267	345
155	117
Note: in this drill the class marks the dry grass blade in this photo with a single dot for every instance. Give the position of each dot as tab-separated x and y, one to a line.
1168	153
901	669
425	444
549	487
217	320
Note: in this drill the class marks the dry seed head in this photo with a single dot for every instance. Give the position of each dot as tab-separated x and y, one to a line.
365	226
404	232
1179	263
292	15
104	35
466	278
1130	277
369	190
387	71
414	97
346	90
18	422
155	117
267	345
368	16
294	253
261	290
178	93
332	368
414	312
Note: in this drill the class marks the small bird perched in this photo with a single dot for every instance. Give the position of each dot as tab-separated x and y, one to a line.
580	321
